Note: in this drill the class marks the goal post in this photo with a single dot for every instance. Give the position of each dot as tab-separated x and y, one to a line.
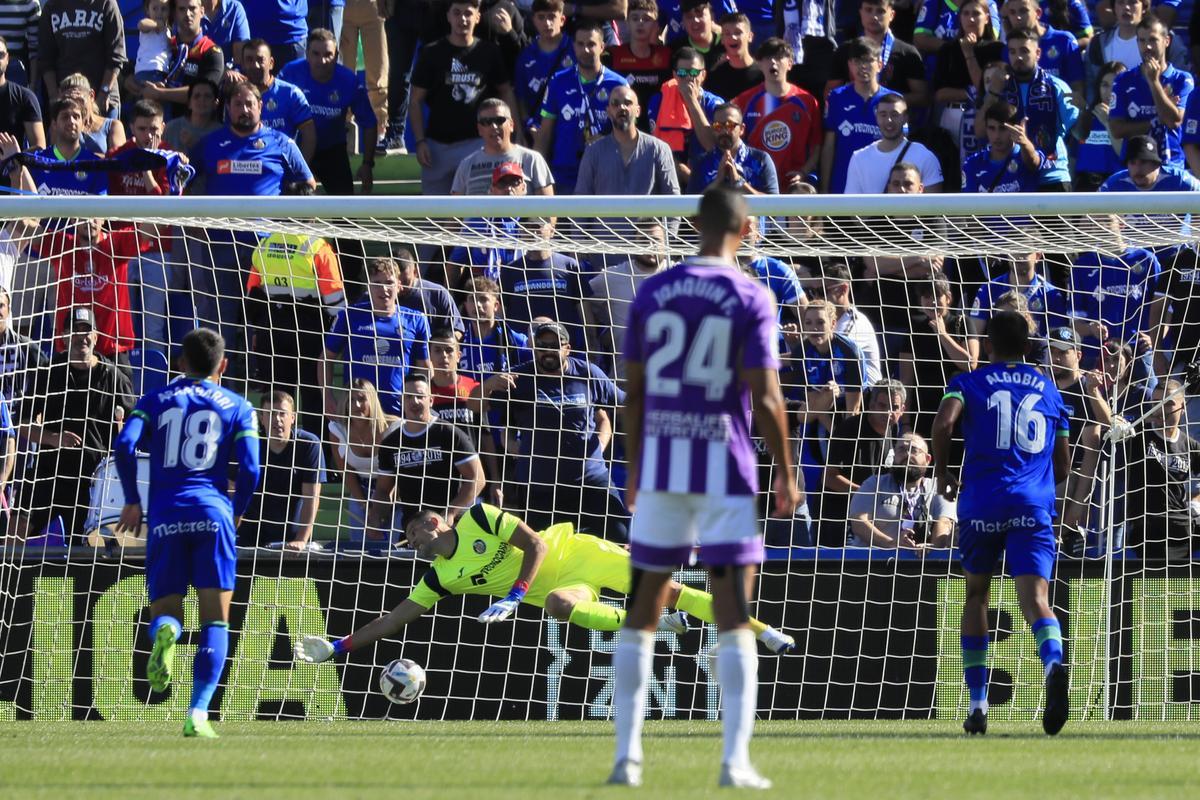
876	626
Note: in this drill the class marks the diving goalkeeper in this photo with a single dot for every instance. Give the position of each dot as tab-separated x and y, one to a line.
490	551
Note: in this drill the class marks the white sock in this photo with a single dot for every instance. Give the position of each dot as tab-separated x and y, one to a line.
978	704
632	662
737	673
198	715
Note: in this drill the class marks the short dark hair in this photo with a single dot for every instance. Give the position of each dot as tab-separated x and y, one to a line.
862	47
444	332
727	107
472	3
588	26
688	54
145	109
1028	34
216	90
836	272
734	18
417	374
203	350
420	516
883	3
773	48
1001	112
255	44
277	397
722	213
642	5
553	6
320	35
1153	21
1008	331
65	104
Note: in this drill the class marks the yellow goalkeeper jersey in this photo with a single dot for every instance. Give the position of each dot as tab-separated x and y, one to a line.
484	562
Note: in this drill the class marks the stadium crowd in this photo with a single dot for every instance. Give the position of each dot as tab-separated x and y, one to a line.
435	377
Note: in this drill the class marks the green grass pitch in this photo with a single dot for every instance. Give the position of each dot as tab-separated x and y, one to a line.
535	760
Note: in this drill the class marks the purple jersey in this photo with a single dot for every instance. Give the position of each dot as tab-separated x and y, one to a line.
693	328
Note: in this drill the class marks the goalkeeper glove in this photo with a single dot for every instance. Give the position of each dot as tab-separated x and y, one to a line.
314	649
503	609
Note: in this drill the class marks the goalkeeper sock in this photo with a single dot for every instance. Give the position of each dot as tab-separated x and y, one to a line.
165	619
737	673
975	671
1049	640
597	616
699	605
209	663
632	662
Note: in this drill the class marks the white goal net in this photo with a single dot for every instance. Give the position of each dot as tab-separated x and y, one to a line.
881	301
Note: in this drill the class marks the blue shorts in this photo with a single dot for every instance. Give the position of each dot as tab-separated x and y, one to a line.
192	547
1026	536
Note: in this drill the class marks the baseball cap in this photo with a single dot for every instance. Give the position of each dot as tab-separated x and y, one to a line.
83	316
1064	339
509	169
554	327
1143	148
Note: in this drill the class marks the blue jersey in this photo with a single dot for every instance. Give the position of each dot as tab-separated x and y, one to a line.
189	428
533	71
229	26
851	119
284	108
500	351
329	101
278	21
780	279
578	108
1047	305
1061	56
1191	120
1096	153
1079	21
808	367
552	288
1132	100
982	174
248	166
62	182
1012	415
756	166
1116	290
378	348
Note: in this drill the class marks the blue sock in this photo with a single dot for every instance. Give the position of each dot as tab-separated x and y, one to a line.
209	663
1049	640
165	619
975	671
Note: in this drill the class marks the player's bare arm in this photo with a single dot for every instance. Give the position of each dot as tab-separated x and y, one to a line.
631	419
770	418
943	427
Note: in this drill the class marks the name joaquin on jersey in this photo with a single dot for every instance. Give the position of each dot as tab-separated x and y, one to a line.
697	288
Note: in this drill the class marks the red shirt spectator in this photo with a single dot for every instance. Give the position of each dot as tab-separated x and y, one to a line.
92	270
788	128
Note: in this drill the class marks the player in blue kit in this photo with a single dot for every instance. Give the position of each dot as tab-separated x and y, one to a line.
1015	428
191	429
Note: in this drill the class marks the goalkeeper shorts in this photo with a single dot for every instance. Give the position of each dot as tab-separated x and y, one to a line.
190	547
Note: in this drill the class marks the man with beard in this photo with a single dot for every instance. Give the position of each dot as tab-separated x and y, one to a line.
73	414
475	175
901	507
244	159
626	161
562	409
285	107
870	168
203	60
732	164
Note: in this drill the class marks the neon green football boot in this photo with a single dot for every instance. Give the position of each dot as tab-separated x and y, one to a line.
162	657
199	728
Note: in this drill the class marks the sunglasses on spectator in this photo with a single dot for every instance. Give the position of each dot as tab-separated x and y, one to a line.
688	73
490	121
726	126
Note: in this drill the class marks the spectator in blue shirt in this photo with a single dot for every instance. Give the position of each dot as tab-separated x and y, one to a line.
1010	163
1044	101
825	370
377	339
549	52
1060	53
490	345
284	106
1123	292
850	113
545	284
732	163
1099	152
331	91
226	24
66	144
282	24
1151	100
574	111
243	159
561	409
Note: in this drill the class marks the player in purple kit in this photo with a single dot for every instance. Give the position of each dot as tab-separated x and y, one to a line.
693	472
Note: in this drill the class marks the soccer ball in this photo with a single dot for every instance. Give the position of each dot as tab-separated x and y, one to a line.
402	681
